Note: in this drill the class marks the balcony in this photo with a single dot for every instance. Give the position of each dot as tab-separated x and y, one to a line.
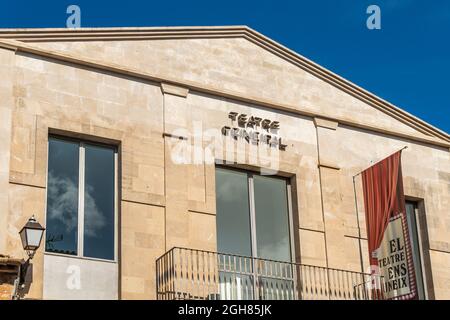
204	275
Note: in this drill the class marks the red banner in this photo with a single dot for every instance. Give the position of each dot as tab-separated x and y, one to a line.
387	228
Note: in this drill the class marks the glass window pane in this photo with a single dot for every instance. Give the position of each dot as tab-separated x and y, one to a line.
413	235
62	197
235	286
272	222
232	212
99	202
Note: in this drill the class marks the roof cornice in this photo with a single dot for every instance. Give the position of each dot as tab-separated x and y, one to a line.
104	34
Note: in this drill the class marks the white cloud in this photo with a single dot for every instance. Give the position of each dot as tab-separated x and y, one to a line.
64	202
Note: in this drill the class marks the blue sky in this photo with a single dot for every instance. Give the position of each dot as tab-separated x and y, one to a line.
407	62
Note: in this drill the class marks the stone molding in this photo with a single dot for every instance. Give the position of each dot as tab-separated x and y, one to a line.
167	88
325	123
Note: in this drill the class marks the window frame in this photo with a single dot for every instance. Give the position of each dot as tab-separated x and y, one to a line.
81	192
419	235
252	209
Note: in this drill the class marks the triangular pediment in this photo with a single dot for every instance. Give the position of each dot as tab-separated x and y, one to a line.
239	62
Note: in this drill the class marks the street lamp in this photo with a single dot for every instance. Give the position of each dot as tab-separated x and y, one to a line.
31	236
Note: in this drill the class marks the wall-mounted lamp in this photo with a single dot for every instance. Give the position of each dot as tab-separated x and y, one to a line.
31	236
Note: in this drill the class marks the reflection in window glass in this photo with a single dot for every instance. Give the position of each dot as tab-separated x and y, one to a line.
272	218
62	197
99	202
241	199
88	229
233	212
234	286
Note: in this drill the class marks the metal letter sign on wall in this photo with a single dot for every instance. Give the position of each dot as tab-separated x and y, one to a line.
254	130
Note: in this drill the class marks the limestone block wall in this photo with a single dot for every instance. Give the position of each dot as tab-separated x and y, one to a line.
208	114
167	198
426	180
53	97
237	64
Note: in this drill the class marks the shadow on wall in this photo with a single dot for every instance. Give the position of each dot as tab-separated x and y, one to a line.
24	289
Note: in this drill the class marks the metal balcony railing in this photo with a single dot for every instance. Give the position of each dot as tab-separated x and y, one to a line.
197	274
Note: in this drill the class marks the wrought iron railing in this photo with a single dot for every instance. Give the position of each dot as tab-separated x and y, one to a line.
197	274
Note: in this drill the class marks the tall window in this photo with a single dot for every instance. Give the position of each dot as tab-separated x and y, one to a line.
252	215
81	199
413	227
253	220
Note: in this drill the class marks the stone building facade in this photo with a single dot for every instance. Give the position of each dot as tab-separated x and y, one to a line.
160	98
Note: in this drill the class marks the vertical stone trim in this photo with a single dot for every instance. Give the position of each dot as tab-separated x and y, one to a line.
175	131
325	123
337	254
6	107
